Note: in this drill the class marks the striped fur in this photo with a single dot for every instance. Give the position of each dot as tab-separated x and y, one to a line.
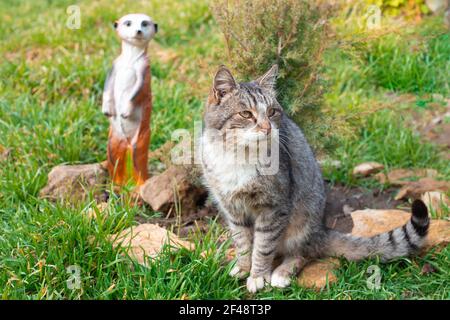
281	214
403	241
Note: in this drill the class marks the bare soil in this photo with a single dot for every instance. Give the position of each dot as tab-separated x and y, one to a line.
341	201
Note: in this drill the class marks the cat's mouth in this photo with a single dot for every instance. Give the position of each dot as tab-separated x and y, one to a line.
249	138
254	139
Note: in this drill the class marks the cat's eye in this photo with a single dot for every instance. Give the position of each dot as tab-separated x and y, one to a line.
246	114
127	23
144	24
271	112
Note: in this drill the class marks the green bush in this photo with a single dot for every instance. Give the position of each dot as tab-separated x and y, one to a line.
291	33
396	7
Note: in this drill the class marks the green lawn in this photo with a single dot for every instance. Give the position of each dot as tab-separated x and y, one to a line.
51	79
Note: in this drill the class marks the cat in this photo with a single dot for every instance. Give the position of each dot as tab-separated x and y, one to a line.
280	214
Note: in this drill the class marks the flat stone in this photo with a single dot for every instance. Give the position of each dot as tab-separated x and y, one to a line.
369	222
75	182
439	234
177	188
400	177
147	240
367	168
315	275
99	211
318	274
436	5
415	189
436	201
4	153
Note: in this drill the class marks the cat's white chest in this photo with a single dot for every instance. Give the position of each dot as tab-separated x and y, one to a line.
222	172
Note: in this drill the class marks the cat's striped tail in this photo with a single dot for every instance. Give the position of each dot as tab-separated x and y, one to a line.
403	241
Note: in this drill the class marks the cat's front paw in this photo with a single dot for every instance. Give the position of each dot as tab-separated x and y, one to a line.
279	281
257	283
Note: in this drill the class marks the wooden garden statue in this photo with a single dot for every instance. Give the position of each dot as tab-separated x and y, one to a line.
127	101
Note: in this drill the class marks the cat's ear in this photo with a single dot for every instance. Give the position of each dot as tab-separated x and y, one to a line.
269	79
223	83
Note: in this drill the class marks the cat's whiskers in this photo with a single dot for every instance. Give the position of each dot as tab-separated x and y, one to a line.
283	142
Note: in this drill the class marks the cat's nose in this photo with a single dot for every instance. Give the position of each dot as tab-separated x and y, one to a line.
265	127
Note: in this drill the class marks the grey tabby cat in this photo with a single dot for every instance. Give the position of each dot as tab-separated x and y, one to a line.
280	214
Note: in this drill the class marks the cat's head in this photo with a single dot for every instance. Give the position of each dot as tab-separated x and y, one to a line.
249	111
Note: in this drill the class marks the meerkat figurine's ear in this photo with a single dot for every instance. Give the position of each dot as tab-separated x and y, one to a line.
223	82
116	24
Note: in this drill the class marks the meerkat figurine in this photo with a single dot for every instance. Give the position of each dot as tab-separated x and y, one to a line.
127	101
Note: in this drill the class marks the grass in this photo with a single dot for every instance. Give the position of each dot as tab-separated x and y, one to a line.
50	114
386	139
418	65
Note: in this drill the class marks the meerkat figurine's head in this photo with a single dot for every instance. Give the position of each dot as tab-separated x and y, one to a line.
136	29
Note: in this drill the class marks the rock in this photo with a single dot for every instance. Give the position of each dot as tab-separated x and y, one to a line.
314	275
147	240
437	120
414	189
367	223
347	209
99	211
75	182
165	55
177	188
185	224
447	18
367	168
436	201
440	135
162	154
436	5
439	234
317	273
230	254
400	177
370	222
438	97
4	153
342	200
427	269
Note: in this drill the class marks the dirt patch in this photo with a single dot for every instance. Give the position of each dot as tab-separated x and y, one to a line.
340	201
165	55
185	224
72	183
31	55
433	124
416	189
